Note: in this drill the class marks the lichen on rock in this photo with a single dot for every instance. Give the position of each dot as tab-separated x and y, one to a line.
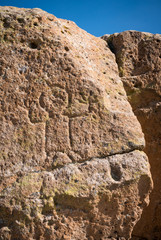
71	160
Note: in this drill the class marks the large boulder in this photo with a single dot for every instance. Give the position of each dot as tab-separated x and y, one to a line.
138	56
71	160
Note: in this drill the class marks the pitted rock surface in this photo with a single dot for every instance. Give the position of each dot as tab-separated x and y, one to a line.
139	60
71	165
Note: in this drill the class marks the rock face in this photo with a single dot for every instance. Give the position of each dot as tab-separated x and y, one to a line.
139	60
71	160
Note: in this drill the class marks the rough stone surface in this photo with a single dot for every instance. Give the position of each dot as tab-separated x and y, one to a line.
139	60
71	165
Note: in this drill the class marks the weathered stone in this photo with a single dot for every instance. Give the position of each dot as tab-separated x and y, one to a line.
95	199
71	159
139	60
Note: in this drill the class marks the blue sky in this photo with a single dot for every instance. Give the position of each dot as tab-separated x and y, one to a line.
99	17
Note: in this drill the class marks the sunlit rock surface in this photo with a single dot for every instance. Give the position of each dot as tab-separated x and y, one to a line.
139	60
71	160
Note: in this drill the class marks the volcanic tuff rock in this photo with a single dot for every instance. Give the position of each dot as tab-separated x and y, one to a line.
71	164
139	60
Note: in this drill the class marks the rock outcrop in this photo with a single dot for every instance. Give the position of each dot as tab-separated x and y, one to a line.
138	56
71	160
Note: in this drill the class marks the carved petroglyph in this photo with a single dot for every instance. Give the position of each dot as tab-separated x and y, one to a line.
69	168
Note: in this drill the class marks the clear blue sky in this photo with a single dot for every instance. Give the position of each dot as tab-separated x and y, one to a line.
99	17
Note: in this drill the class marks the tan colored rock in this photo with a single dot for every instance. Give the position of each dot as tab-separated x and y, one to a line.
139	60
97	199
71	164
